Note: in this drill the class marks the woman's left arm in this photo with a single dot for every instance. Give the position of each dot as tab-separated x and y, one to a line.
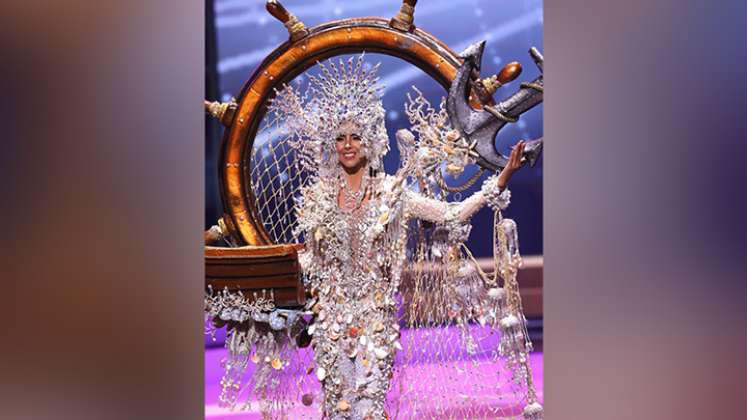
493	193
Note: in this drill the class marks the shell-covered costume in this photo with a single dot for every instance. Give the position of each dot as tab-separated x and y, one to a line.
400	317
354	262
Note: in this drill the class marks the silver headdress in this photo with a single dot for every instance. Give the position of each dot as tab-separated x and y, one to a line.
341	93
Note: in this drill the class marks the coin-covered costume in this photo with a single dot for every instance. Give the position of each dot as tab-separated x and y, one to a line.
373	334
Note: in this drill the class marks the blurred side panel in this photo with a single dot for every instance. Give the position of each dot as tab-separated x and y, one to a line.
644	204
103	197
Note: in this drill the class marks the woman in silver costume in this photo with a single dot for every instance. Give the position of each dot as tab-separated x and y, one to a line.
354	220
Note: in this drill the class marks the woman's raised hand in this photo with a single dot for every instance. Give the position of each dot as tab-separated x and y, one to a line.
514	163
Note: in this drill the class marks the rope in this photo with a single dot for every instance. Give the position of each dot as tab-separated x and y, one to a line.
535	86
470	182
499	114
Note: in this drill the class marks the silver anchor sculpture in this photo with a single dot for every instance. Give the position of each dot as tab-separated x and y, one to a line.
480	127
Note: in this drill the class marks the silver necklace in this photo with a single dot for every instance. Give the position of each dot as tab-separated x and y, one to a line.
352	200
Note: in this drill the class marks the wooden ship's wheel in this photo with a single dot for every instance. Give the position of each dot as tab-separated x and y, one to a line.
242	223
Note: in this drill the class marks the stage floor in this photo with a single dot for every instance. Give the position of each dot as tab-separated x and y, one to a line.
213	373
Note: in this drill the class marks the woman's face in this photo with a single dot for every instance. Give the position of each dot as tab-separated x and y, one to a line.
348	146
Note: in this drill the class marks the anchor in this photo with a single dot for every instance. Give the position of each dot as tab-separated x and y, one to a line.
481	126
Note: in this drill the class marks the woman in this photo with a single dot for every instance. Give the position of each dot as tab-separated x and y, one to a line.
354	220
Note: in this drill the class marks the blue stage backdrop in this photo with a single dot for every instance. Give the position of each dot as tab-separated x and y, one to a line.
246	33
